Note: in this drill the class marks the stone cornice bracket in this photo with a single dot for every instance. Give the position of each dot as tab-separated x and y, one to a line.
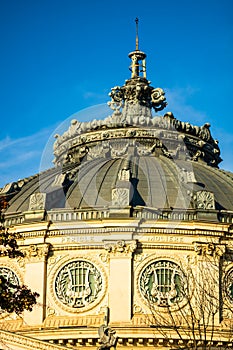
209	249
121	248
37	252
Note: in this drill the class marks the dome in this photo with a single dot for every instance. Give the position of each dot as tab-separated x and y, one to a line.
130	164
138	170
156	182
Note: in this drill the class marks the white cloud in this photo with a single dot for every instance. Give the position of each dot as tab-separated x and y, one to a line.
20	157
177	103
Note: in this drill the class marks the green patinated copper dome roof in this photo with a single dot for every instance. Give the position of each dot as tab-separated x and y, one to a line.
155	182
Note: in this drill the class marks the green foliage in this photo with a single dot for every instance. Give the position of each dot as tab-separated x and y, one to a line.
8	244
15	298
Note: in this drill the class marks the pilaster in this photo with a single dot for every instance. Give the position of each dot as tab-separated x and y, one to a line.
208	279
120	280
35	277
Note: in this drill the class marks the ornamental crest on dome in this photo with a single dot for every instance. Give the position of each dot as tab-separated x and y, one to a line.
120	196
205	200
37	201
137	92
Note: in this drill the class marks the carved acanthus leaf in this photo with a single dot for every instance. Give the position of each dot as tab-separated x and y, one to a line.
120	197
36	252
205	200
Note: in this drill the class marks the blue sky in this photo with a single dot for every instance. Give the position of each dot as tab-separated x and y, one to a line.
60	57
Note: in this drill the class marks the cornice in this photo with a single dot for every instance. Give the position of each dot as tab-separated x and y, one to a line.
73	321
129	233
26	342
91	235
60	218
128	336
76	247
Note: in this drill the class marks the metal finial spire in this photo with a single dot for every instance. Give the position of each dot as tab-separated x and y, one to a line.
138	64
136	21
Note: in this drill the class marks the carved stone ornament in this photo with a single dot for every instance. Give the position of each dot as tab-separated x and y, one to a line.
205	200
138	258
158	99
162	283
96	151
37	201
124	175
186	176
9	188
120	197
24	342
107	338
137	308
121	247
104	257
209	249
119	149
78	284
59	180
36	252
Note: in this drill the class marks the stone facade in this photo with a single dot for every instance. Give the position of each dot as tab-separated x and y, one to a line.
113	259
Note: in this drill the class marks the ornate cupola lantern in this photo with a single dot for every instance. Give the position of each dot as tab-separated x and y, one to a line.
136	97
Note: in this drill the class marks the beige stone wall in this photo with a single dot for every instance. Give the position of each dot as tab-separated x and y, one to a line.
120	251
